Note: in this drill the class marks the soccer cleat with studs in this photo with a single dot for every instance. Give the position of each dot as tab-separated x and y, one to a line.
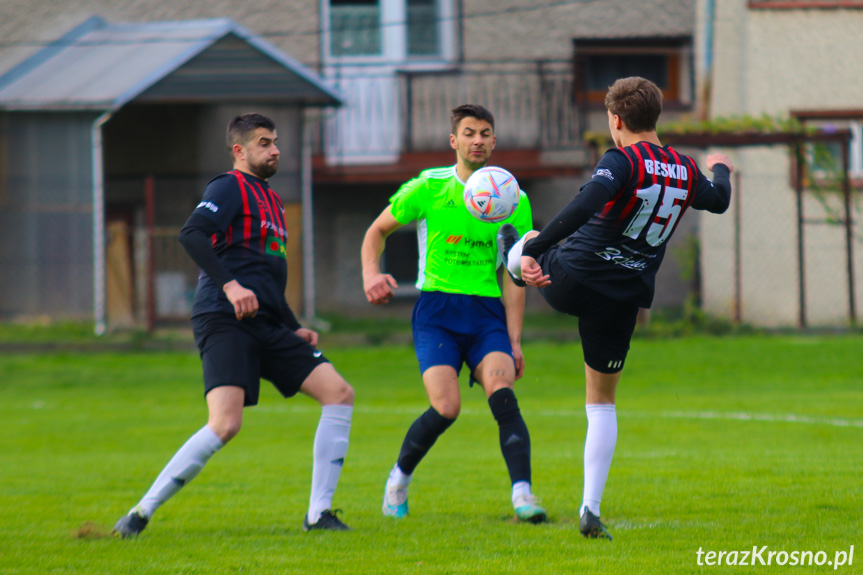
130	525
507	235
528	510
395	501
327	522
591	527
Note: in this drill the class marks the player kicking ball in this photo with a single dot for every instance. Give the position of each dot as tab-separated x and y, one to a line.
614	235
459	317
246	331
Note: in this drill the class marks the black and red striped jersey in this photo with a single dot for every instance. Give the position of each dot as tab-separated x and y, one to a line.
250	242
618	250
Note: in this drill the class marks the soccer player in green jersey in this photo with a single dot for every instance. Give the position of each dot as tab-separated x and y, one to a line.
459	317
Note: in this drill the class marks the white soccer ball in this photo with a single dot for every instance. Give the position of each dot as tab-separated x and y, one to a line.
491	194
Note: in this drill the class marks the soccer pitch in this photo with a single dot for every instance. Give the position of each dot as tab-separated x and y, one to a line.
725	445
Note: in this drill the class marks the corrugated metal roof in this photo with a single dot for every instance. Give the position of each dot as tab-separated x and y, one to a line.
102	66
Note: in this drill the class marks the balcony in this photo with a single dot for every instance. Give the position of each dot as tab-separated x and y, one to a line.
396	123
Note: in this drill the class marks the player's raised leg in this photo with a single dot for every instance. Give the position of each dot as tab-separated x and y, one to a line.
336	397
441	383
509	247
496	373
226	415
598	447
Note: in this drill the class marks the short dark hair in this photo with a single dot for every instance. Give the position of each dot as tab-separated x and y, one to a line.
638	102
241	127
470	111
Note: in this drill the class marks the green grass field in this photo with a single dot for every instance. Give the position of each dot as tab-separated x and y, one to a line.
724	444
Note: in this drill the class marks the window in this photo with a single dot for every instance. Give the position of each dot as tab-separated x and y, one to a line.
598	63
355	27
827	158
422	28
393	31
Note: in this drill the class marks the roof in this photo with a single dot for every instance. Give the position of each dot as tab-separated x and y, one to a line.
103	66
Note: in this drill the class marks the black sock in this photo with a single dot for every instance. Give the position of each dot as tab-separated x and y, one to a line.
514	437
420	438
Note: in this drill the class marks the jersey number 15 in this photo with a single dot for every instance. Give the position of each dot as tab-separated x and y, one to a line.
663	223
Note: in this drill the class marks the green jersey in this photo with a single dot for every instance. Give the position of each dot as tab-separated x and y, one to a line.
457	252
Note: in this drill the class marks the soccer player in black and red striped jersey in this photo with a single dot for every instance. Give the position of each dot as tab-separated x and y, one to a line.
615	232
245	329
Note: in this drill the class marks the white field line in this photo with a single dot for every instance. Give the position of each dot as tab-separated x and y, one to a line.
719	415
770	417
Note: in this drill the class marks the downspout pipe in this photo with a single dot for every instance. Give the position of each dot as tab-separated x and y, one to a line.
308	222
707	83
99	305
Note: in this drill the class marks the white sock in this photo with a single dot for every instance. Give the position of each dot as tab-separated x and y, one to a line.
513	258
399	478
331	446
598	452
182	468
520	488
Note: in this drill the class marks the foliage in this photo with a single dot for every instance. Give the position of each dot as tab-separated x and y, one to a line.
744	124
737	124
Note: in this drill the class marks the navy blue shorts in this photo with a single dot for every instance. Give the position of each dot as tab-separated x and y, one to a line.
453	329
604	324
240	353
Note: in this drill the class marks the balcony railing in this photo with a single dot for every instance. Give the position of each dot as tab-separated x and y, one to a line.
408	111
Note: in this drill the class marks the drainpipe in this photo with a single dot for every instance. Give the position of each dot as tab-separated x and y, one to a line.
99	308
707	84
308	223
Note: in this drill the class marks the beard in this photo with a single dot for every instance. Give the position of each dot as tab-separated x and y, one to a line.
474	165
265	169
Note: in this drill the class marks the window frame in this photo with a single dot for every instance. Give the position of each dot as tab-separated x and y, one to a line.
394	40
677	50
843	119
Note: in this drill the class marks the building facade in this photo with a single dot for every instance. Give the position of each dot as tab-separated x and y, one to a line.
401	66
786	59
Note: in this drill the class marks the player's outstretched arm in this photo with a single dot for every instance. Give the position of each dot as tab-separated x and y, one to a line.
717	158
715	197
378	287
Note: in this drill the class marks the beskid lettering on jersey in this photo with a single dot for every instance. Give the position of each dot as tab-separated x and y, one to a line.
675	171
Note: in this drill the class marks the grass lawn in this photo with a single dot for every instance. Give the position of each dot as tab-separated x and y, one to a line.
724	444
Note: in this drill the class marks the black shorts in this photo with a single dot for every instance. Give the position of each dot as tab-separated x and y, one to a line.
240	353
605	325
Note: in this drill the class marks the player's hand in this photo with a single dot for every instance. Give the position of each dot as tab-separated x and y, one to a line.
244	300
379	288
532	274
518	356
714	159
308	335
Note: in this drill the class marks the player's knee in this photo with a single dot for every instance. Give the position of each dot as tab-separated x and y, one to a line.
448	409
226	429
345	394
337	392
